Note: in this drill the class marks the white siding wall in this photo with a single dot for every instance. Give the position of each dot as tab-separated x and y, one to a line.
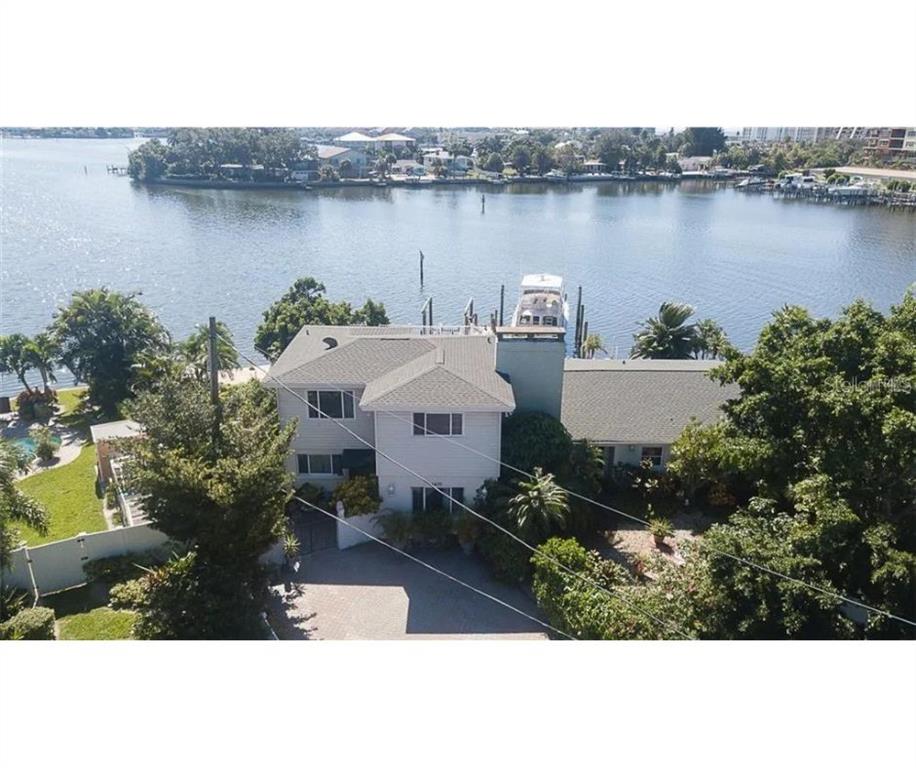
322	435
435	458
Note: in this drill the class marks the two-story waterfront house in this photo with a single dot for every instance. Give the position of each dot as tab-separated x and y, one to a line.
397	390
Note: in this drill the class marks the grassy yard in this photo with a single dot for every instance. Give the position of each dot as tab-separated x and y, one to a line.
69	495
70	399
98	624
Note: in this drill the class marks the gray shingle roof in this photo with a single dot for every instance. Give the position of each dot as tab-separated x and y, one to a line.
459	372
397	368
639	401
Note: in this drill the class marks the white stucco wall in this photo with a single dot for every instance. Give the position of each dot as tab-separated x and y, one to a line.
440	460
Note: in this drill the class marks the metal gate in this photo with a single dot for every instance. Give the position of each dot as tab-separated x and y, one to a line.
314	530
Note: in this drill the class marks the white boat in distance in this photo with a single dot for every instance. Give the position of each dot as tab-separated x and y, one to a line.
542	302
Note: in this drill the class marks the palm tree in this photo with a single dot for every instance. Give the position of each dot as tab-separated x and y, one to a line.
195	351
14	358
591	345
711	341
540	504
666	337
41	352
15	506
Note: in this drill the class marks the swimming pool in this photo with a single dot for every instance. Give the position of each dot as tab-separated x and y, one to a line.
27	444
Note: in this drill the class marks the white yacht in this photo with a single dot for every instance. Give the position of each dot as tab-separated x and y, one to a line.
542	302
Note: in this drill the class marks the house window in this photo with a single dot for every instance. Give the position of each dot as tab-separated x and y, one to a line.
426	498
438	424
319	464
330	403
653	453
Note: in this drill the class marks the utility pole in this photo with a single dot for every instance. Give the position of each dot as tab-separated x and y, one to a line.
213	366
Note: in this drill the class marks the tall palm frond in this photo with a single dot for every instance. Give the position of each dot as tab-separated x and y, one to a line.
666	336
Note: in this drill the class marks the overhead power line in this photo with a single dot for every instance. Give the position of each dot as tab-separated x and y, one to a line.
642	521
434	569
668	625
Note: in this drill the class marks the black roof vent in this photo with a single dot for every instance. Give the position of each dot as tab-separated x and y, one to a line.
330	341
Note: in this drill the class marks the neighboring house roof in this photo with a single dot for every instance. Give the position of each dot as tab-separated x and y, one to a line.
639	401
394	137
327	152
354	136
113	430
398	368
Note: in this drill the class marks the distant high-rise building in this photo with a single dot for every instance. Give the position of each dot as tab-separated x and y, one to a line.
800	134
890	141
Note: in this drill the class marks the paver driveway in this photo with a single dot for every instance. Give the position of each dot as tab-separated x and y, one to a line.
371	593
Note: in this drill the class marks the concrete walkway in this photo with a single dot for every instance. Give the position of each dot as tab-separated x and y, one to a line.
371	593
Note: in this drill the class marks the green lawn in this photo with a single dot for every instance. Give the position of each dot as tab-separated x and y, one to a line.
69	495
97	624
70	399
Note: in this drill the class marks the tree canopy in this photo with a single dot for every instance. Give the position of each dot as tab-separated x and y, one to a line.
15	507
305	304
103	337
201	151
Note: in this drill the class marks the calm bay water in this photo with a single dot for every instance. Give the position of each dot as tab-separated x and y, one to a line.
68	225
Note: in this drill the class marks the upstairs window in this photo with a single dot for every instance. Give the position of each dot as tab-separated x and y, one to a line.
438	424
330	404
319	464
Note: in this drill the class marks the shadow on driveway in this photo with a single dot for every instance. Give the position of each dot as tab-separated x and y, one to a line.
371	593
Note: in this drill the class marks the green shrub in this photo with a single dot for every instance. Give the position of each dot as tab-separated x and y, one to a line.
29	624
128	595
12	601
111	495
507	559
313	494
359	495
432	527
114	570
533	439
466	527
396	527
188	599
44	443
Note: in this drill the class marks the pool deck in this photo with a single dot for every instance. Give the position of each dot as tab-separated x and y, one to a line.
71	443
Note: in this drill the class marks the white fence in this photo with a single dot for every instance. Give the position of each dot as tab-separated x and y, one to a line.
59	565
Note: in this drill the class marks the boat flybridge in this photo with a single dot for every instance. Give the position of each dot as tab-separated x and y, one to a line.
542	302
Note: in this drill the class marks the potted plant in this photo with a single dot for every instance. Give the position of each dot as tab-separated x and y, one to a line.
467	528
660	528
397	528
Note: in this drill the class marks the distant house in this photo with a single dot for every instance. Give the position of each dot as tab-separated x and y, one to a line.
409	168
394	141
398	390
635	409
452	163
385	141
695	164
355	139
333	157
594	166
